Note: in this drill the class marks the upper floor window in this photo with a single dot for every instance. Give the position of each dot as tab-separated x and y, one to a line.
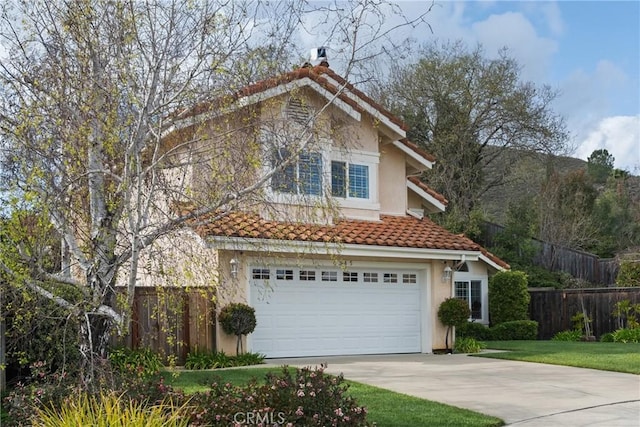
302	175
349	180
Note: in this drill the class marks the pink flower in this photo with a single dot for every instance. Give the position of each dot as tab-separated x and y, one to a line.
300	393
299	412
338	412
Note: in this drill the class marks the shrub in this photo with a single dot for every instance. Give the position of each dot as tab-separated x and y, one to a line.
626	314
141	362
41	389
453	312
508	297
468	345
474	330
629	273
515	330
608	337
308	398
627	335
109	410
213	360
238	319
572	335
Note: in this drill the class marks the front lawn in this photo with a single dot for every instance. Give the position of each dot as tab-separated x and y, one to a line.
386	408
618	357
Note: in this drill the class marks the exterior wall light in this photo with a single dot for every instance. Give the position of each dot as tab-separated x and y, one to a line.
234	268
446	273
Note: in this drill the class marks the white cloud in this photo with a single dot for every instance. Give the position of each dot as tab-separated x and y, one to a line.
552	13
515	31
620	136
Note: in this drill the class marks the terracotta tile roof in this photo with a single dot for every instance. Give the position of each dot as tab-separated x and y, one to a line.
393	231
418	150
433	193
316	74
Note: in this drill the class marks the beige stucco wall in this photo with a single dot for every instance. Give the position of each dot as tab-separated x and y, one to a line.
392	183
230	290
440	291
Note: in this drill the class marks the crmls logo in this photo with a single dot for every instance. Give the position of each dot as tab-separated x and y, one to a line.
255	418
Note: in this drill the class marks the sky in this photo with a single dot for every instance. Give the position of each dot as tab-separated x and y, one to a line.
587	50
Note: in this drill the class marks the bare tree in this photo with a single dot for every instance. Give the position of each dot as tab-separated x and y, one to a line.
96	126
467	110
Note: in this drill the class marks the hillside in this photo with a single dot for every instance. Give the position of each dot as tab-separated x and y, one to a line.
524	174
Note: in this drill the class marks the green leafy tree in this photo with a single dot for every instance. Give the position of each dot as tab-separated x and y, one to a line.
508	297
238	319
514	243
600	165
466	109
453	312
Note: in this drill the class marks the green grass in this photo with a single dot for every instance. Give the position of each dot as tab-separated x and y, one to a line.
616	357
386	408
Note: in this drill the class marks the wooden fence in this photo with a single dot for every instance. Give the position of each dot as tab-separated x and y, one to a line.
579	264
553	308
172	321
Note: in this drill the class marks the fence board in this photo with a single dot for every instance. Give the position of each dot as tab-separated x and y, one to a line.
553	308
579	264
172	321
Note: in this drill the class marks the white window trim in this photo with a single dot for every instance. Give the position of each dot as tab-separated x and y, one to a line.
484	292
358	157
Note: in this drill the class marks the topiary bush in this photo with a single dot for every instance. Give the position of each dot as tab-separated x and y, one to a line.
453	312
474	330
515	330
237	319
508	297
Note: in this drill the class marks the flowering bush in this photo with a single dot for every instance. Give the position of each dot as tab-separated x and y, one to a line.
41	389
307	398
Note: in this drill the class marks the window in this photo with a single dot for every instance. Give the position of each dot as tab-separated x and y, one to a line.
260	273
409	278
303	176
472	293
349	276
370	277
329	276
284	274
390	278
307	275
349	180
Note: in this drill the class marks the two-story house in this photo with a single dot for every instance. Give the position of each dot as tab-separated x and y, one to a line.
337	255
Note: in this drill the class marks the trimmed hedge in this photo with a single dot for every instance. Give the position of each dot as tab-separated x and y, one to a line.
508	297
515	330
474	330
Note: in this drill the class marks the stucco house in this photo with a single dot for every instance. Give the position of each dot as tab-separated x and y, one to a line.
342	259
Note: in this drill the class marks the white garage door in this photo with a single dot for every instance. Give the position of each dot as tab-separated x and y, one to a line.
321	312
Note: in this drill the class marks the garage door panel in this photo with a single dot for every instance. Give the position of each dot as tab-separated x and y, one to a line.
315	318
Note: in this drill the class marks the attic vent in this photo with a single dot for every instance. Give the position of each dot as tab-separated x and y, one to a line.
298	111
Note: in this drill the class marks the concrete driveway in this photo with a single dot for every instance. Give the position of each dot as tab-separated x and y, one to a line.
520	393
